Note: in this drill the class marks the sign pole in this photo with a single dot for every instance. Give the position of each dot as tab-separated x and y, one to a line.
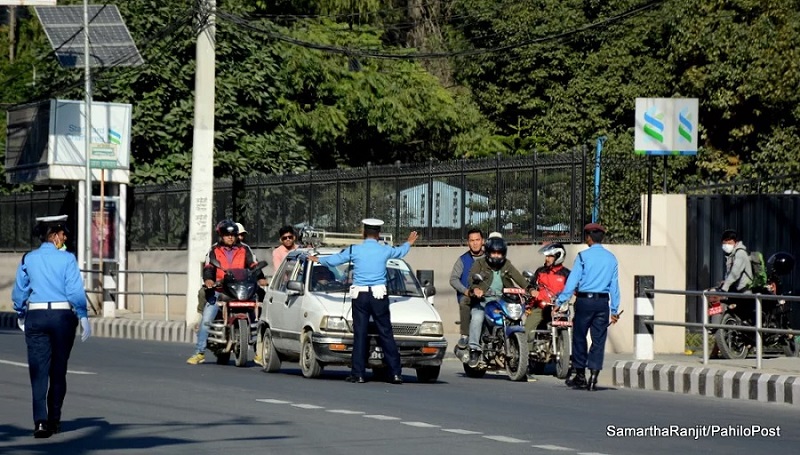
87	136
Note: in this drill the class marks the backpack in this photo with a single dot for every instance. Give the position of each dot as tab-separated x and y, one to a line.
759	278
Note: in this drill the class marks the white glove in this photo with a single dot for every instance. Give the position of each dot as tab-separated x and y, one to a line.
21	323
86	329
563	307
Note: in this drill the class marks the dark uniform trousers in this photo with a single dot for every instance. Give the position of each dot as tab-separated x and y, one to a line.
591	315
49	335
364	306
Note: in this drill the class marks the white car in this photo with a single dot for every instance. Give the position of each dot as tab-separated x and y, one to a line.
307	318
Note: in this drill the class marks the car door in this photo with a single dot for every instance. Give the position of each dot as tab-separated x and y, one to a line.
277	303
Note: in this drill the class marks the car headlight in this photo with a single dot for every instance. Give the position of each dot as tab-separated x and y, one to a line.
333	324
514	310
431	329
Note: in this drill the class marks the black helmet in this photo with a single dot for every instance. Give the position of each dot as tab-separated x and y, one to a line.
495	244
780	264
226	227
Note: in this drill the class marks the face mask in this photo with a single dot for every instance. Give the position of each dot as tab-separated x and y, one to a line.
63	247
727	248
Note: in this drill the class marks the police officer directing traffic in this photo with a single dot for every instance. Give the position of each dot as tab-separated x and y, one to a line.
370	297
49	300
595	275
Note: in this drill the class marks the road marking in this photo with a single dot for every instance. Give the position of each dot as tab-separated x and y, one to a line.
271	401
381	417
505	439
552	447
307	406
420	424
20	364
460	431
344	411
591	453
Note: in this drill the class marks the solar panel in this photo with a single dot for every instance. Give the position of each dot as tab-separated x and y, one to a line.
110	43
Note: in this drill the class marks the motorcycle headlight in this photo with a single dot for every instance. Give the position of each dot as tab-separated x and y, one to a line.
243	291
514	310
431	329
333	324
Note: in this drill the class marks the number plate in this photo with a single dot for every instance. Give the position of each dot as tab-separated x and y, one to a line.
715	310
241	304
376	354
562	323
513	291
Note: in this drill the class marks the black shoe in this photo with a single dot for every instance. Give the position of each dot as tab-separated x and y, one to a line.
474	358
592	384
396	379
41	431
356	379
54	426
578	382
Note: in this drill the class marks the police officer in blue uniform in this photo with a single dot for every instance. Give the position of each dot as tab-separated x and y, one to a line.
595	276
49	300
370	297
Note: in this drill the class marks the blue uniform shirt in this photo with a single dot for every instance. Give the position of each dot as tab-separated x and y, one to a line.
49	275
595	270
369	261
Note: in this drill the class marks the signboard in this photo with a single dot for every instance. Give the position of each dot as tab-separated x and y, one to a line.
666	126
108	233
104	156
111	125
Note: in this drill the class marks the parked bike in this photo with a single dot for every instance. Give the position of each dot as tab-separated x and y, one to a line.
235	327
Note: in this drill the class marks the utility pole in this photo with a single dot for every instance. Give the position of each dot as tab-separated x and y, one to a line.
202	190
12	33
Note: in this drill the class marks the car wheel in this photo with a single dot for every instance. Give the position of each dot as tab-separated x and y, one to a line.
309	364
269	357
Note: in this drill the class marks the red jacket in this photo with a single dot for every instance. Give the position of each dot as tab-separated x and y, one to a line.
239	256
550	282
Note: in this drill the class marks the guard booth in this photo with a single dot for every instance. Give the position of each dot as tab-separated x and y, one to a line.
45	146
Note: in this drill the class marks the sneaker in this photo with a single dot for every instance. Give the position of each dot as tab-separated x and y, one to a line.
196	359
474	358
532	378
257	360
463	341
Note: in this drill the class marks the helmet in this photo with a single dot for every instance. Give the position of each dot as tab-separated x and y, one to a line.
241	228
495	244
227	227
780	264
556	250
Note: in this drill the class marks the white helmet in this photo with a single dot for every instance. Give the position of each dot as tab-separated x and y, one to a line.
242	230
556	250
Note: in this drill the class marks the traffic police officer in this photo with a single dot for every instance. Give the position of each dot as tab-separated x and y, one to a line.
370	296
595	275
49	300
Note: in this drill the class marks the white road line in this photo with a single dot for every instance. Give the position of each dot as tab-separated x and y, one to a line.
381	417
505	439
460	431
20	364
344	411
420	424
271	401
552	447
307	406
591	453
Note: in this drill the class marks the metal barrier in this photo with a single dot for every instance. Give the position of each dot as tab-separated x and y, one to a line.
643	317
141	293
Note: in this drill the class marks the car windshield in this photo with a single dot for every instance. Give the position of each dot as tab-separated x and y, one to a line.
399	279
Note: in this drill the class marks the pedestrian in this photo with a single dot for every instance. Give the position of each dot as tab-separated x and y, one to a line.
460	280
370	298
738	268
287	237
50	300
595	277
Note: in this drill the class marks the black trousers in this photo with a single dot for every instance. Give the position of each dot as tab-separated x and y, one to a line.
49	335
364	306
591	315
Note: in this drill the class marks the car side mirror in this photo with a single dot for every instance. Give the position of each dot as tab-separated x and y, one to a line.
296	287
429	290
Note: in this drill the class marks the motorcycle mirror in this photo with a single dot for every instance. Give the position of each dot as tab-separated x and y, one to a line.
527	274
260	265
477	278
213	261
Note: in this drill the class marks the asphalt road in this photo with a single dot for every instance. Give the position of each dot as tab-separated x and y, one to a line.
137	397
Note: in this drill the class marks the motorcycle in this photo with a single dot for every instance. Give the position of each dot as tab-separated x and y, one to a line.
555	343
504	344
235	328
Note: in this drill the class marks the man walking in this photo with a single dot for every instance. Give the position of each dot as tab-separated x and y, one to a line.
460	280
595	276
370	297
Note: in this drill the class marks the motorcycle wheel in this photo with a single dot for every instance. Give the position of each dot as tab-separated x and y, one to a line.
474	372
731	342
242	345
309	364
517	362
562	363
428	374
270	359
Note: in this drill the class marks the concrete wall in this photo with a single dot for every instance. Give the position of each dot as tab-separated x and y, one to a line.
665	259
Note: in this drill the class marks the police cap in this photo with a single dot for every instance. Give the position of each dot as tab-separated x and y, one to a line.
372	224
591	227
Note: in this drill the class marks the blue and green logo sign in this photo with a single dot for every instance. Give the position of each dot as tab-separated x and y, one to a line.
654	124
685	125
114	137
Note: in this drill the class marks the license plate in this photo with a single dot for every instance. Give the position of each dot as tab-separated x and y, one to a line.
562	323
376	354
715	310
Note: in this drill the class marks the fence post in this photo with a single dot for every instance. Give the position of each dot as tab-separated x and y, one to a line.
643	311
759	341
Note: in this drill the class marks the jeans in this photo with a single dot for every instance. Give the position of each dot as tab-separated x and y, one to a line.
475	325
209	313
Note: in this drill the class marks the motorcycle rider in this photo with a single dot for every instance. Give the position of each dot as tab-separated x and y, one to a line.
231	254
549	280
738	269
460	279
498	273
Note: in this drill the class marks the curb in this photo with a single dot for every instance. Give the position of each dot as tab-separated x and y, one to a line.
132	329
708	381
